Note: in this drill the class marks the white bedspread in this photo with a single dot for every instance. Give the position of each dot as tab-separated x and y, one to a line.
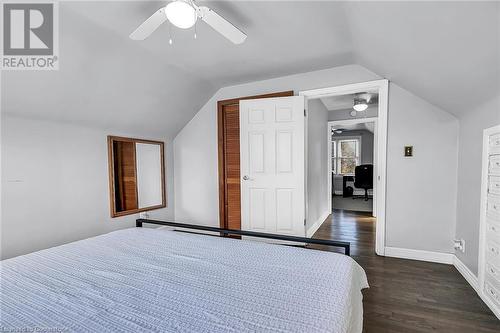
147	280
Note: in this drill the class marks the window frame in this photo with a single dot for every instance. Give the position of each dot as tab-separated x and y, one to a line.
335	166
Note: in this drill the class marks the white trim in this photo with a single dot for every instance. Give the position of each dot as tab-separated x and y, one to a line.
466	273
380	136
430	256
306	166
329	174
490	305
312	229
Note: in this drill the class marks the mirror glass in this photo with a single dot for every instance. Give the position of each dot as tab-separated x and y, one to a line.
136	176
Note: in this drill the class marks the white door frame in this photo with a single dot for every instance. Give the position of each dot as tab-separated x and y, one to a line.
329	145
383	105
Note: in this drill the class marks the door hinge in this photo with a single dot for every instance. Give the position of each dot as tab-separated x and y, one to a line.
304	221
305	113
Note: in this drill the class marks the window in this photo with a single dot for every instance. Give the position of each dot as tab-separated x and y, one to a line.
346	154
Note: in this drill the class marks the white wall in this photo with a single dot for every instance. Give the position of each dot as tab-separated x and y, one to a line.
317	162
55	185
472	125
421	203
417	217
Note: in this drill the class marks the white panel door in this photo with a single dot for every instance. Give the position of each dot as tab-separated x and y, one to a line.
272	165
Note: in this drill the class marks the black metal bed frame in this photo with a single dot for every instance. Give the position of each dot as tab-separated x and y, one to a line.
226	232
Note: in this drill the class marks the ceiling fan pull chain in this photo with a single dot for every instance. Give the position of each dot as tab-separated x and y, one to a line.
170	33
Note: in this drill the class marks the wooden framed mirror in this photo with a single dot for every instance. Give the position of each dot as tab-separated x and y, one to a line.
136	175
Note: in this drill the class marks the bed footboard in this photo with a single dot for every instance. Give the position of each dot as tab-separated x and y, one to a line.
225	232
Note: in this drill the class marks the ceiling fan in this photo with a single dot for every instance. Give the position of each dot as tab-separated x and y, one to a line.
184	14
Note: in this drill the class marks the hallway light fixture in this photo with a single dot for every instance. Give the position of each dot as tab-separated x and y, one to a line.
360	105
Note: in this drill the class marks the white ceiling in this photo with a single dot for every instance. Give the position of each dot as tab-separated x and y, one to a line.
341	102
444	52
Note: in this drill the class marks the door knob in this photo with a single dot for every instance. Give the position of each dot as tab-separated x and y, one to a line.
245	177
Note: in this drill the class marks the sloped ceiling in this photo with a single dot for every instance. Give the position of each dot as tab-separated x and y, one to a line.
447	53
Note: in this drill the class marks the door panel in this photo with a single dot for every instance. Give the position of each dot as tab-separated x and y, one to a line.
284	151
257	203
272	165
284	209
256	151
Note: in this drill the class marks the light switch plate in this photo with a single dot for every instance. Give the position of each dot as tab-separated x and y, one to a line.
408	151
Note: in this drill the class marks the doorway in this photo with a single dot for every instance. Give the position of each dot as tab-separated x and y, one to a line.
352	157
356	94
228	128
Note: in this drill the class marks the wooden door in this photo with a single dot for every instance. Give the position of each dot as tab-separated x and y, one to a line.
125	176
272	159
229	159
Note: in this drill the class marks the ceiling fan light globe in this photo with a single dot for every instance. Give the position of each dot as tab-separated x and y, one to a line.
181	14
360	107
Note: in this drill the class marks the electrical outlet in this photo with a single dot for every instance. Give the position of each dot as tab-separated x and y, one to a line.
144	215
459	245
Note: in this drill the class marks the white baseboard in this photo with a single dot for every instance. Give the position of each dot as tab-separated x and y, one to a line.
312	229
438	257
466	273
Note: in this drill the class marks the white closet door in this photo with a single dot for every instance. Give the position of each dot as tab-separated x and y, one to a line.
272	165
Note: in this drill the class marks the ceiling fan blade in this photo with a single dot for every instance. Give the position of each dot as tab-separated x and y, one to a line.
222	26
150	25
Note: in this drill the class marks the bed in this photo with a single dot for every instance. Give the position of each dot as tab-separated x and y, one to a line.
160	280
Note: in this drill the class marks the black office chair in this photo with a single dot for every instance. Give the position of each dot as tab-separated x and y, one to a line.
363	178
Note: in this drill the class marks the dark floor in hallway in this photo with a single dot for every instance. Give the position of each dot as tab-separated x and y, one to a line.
407	296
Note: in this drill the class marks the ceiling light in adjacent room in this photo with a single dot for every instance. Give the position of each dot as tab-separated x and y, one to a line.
360	105
337	130
181	14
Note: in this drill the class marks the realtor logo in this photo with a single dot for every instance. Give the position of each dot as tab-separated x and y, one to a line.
29	36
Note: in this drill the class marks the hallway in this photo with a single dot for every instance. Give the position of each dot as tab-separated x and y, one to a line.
406	295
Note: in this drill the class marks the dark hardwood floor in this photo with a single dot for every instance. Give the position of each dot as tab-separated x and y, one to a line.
406	295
